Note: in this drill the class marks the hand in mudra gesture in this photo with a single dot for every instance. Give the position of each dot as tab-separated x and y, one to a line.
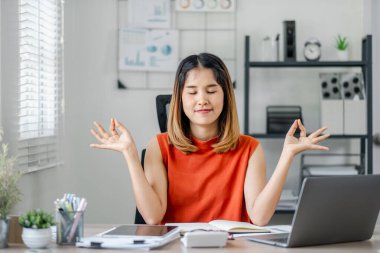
112	139
294	145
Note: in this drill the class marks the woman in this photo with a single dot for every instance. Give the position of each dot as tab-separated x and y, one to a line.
203	168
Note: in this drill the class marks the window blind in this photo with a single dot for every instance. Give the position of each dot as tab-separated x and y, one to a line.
40	83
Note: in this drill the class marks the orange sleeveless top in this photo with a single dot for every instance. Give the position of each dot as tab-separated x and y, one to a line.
204	185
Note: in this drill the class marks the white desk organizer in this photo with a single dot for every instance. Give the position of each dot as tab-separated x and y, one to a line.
355	117
331	103
343	103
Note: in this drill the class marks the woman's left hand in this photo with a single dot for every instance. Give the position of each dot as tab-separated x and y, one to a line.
294	145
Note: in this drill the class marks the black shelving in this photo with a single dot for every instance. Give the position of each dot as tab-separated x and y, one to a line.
307	64
282	136
366	140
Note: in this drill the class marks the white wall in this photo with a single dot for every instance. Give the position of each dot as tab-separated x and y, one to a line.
91	94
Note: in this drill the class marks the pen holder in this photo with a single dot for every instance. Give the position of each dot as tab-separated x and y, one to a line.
69	227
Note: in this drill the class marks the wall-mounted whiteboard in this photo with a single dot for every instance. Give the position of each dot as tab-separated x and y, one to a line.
142	65
148	50
149	13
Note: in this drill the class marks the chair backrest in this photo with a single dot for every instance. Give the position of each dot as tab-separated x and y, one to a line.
138	217
162	106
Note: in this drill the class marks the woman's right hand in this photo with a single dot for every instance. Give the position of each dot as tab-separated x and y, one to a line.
118	137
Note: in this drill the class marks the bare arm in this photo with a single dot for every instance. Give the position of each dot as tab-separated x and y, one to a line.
149	187
261	197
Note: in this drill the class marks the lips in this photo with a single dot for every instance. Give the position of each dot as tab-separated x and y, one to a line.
203	110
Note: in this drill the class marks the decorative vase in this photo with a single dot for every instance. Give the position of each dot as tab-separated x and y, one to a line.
4	230
342	55
36	238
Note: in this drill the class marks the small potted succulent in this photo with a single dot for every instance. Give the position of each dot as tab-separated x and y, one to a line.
36	232
341	44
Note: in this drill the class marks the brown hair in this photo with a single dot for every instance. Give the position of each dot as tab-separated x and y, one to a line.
179	124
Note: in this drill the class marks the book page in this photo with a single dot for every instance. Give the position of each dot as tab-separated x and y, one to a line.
187	227
237	226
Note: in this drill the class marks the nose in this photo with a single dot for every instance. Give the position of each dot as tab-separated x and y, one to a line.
202	98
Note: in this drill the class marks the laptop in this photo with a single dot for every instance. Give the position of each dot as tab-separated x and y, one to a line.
331	209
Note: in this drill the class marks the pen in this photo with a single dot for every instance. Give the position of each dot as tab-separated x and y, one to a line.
69	211
78	214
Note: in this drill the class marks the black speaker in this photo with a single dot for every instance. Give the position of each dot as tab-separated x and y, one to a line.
290	40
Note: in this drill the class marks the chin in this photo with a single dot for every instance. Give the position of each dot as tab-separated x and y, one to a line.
204	122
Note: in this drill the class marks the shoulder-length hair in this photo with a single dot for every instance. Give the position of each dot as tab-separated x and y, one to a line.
179	124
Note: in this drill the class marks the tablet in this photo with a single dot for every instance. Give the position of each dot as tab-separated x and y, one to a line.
132	237
143	231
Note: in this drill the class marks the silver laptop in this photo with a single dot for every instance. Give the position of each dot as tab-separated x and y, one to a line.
331	210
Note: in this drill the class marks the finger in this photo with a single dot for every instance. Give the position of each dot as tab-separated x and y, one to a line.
112	128
318	132
101	130
319	147
120	126
97	136
320	138
293	128
302	128
100	146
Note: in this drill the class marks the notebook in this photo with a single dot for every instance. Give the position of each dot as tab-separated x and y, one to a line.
232	227
331	210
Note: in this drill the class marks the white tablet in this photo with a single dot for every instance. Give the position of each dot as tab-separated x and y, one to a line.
143	231
132	237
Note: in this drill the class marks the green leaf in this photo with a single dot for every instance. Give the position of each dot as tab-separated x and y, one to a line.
37	219
341	42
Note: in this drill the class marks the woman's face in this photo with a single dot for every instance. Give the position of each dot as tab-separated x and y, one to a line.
202	98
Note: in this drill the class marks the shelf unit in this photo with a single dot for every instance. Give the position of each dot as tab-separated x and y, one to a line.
366	140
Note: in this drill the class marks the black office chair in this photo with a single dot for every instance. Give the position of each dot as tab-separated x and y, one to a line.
138	217
162	106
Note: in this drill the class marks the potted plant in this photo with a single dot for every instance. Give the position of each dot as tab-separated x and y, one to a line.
10	194
341	44
36	231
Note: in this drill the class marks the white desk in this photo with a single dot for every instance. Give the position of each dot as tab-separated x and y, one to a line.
239	245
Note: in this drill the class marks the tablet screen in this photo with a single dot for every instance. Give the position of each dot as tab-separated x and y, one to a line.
140	230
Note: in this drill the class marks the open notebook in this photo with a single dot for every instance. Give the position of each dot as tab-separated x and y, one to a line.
232	227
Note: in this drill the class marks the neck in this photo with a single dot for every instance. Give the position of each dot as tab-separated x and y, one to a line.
204	133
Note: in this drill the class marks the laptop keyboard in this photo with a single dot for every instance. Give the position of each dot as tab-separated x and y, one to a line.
280	240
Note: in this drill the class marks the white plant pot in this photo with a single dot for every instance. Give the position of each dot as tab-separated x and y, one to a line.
36	238
342	55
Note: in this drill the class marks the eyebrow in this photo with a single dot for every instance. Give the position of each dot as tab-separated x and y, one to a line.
194	86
